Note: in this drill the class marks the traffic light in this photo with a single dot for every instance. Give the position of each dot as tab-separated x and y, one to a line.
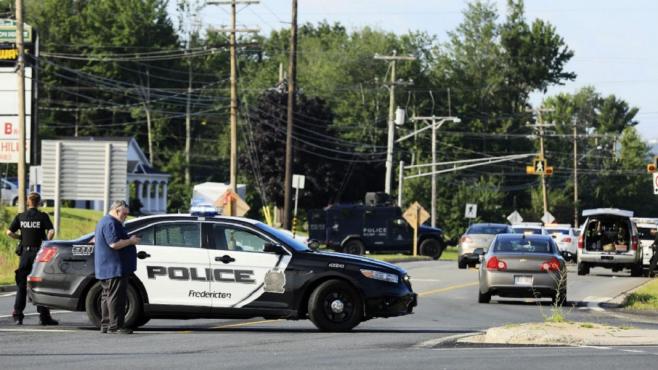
548	171
651	167
530	170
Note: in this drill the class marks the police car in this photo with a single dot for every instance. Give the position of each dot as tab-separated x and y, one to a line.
201	266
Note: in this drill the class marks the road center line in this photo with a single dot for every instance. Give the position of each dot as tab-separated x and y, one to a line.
244	324
446	289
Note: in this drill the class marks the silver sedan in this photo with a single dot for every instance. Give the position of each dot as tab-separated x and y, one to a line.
523	266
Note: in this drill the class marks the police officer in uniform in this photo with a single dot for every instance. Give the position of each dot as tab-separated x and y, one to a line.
35	227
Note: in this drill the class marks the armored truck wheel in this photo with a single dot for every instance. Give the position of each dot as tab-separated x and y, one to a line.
354	246
432	248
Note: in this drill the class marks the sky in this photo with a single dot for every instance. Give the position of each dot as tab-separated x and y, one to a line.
615	42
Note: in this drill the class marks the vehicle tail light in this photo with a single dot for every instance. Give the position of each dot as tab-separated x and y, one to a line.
494	264
567	240
551	265
465	239
634	243
581	242
34	279
46	254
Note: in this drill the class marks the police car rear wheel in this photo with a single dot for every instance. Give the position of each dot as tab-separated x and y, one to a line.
335	306
354	247
432	248
133	307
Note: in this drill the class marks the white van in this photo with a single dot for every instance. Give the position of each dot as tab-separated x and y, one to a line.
609	239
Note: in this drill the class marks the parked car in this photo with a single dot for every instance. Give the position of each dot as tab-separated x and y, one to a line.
609	239
205	266
9	192
477	236
565	239
645	228
522	266
529	228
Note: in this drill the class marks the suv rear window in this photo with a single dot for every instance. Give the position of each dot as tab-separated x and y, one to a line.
644	233
523	245
558	231
487	229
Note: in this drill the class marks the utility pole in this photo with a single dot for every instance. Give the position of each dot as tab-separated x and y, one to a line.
575	174
436	123
21	105
233	168
292	76
391	113
188	119
539	125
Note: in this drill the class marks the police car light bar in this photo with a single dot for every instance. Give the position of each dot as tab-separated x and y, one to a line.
204	210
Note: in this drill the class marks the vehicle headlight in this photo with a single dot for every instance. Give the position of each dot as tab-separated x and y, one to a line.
378	275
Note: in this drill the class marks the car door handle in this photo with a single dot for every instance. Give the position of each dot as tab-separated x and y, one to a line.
225	258
142	255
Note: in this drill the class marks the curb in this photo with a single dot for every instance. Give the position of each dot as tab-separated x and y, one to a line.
7	288
410	259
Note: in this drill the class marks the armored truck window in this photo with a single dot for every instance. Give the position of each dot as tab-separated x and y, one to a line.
178	235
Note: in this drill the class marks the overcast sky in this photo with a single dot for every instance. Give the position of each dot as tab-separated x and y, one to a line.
615	42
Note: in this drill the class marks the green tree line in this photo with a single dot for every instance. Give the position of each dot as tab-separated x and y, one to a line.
130	68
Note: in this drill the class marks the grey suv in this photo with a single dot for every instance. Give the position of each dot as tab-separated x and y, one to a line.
609	239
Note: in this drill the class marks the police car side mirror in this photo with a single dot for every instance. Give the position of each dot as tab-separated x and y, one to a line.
273	248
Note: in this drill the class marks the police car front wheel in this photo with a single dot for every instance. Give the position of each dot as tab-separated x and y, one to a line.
335	306
134	316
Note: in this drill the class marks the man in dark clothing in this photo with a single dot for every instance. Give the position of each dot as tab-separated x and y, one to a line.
654	258
35	227
115	258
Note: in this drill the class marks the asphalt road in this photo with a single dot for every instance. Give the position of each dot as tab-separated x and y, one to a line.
447	306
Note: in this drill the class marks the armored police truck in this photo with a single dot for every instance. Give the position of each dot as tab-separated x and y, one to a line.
376	226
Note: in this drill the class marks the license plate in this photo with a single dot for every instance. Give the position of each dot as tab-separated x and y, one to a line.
523	280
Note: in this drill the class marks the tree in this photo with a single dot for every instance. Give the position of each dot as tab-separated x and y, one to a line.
266	125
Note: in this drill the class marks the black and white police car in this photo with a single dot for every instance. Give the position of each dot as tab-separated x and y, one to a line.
206	266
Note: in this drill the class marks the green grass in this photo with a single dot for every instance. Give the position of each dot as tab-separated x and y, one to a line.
645	298
74	223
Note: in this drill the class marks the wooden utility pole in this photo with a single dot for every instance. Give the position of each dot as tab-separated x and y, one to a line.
391	114
292	77
539	126
21	105
233	168
188	120
575	174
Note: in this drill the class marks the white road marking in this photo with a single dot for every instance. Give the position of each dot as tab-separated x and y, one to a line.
36	313
40	330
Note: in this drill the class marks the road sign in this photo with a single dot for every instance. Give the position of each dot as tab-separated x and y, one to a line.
471	210
415	215
298	181
8	31
655	182
514	218
539	166
547	218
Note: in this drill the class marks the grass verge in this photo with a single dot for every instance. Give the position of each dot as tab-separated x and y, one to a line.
645	298
74	223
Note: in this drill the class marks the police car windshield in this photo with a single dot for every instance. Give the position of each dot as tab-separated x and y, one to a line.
285	237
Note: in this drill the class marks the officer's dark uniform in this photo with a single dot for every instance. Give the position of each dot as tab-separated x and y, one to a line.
33	225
